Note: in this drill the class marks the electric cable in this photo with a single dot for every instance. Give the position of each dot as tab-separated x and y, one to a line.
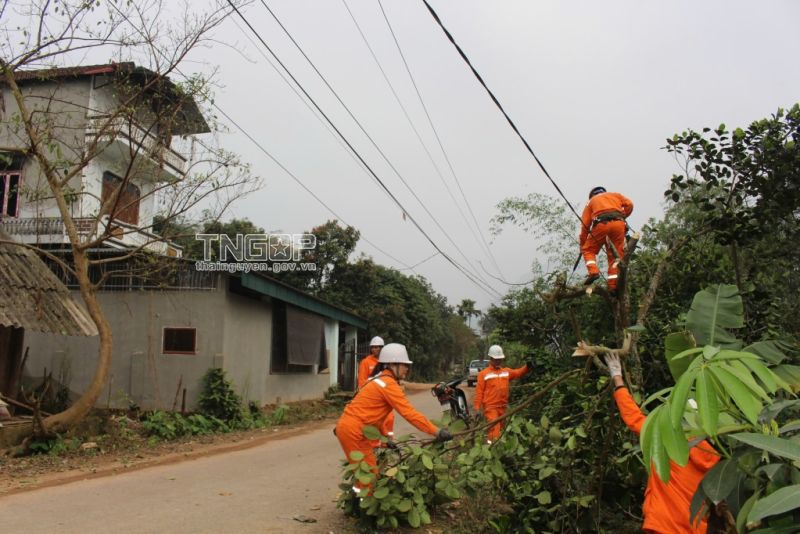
475	280
439	141
475	236
372	141
301	184
500	107
290	173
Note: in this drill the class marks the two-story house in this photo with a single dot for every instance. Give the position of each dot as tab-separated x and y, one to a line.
130	133
123	125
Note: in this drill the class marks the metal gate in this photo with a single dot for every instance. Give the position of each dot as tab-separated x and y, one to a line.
348	361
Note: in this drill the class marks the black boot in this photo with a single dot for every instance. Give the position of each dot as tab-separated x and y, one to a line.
590	279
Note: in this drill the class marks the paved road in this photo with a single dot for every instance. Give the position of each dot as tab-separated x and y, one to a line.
257	490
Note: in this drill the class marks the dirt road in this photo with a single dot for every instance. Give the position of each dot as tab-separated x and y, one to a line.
260	490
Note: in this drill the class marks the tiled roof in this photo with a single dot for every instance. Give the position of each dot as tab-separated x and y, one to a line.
192	119
72	72
31	296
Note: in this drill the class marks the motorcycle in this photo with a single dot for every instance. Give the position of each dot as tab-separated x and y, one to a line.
453	399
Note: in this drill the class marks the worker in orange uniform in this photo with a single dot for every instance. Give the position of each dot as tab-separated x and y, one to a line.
666	504
365	369
375	400
604	217
491	395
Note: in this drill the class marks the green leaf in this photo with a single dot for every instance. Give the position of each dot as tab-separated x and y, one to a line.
674	441
404	505
381	492
713	312
413	518
780	501
675	344
741	518
771	350
546	472
658	454
680	395
790	374
544	498
721	480
372	433
745	399
766	376
427	462
777	446
646	437
742	372
356	456
707	403
698	507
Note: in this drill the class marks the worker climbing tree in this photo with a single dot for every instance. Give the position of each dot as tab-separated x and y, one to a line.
603	225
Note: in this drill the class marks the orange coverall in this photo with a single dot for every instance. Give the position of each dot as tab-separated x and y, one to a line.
365	369
373	403
666	505
492	394
591	243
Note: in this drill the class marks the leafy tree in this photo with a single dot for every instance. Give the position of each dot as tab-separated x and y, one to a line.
742	407
467	311
63	137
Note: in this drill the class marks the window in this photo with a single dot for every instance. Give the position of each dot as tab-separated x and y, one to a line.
298	340
179	341
127	206
10	182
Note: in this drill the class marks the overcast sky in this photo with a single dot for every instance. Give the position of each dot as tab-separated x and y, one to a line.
596	88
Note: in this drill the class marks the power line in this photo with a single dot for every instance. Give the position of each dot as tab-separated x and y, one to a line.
419	137
286	170
441	145
482	285
500	107
301	184
372	141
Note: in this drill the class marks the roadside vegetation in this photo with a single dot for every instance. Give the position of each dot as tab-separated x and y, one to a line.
711	306
221	411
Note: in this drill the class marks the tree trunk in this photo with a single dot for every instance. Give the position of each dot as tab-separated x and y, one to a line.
86	401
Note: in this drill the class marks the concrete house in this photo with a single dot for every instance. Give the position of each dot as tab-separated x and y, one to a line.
82	110
170	324
276	344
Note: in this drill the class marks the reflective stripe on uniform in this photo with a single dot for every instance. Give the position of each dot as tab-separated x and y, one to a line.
380	382
495	375
612	276
591	262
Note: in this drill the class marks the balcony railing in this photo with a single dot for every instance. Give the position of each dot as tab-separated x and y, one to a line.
151	146
52	230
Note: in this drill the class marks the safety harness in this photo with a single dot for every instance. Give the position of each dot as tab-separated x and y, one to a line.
607	216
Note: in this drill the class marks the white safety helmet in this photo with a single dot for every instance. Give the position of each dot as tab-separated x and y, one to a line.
376	341
394	353
496	352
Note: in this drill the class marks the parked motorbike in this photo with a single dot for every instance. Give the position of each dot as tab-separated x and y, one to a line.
452	399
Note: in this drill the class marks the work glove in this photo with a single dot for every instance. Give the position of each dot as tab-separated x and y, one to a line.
614	365
478	415
530	363
391	444
443	435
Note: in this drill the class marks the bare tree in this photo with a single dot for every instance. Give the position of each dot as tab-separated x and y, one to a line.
109	149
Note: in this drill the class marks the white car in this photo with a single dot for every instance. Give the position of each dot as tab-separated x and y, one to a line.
475	367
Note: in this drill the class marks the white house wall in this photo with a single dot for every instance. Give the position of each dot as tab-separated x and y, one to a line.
248	344
140	372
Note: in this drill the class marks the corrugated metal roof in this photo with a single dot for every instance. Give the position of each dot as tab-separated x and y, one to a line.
31	296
